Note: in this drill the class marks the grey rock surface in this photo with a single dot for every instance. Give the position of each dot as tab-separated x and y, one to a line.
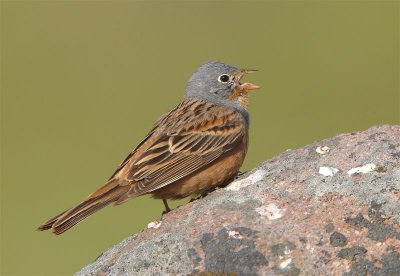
283	218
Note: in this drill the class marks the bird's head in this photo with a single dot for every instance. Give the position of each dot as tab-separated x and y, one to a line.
220	83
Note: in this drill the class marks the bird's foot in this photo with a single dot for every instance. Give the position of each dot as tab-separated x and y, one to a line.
165	212
204	194
167	209
239	174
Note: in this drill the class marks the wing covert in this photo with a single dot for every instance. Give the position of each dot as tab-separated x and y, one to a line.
192	142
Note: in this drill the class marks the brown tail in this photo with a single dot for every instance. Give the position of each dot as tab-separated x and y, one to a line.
64	221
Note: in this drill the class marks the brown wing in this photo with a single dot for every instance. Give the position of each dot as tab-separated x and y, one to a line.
183	141
191	137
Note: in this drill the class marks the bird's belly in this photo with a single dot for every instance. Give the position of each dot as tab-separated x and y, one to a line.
203	180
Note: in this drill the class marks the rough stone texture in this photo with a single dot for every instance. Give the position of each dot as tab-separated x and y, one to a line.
283	218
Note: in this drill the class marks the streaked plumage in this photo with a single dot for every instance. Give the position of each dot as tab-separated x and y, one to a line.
196	146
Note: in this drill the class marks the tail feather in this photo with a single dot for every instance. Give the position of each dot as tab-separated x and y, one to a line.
64	221
48	224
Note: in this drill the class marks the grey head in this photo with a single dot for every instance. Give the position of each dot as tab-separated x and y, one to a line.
219	83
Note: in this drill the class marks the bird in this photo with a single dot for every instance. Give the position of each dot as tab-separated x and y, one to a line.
195	147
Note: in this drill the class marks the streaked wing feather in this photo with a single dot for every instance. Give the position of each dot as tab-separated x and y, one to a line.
189	145
176	171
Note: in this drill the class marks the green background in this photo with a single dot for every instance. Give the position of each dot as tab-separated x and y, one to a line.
83	82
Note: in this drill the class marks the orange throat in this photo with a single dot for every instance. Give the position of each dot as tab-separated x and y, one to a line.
240	96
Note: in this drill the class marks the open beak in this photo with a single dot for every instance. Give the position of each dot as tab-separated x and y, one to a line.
246	86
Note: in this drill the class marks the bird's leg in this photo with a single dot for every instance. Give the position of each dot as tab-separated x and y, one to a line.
239	174
196	197
167	209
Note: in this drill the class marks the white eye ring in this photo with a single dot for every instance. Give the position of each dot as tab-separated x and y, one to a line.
224	78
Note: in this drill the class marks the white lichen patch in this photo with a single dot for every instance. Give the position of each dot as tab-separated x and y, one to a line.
154	224
251	179
234	234
271	211
285	263
322	150
363	169
287	251
327	171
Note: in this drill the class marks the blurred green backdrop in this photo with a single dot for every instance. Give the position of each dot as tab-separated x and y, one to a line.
82	83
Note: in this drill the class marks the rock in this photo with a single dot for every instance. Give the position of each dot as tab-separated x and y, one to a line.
283	218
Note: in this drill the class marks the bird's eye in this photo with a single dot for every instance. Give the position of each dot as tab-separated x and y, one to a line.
223	78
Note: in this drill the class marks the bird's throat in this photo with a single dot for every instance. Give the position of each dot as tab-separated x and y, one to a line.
241	97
